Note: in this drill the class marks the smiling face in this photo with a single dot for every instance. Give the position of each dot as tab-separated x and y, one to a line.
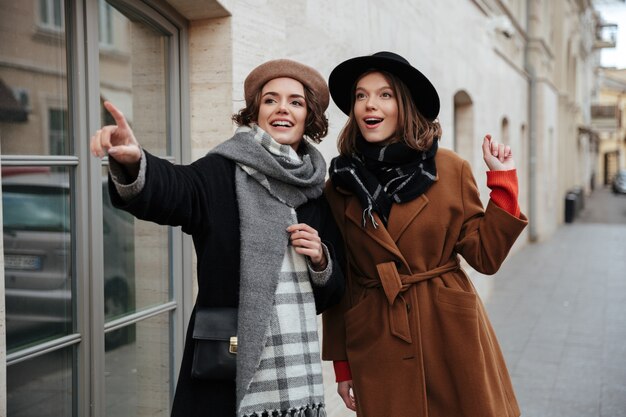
283	111
376	108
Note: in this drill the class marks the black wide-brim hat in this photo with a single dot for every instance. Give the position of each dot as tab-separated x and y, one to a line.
345	75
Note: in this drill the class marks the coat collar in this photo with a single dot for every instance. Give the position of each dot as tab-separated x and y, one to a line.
387	237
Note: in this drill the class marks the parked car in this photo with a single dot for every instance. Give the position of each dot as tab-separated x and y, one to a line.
619	182
38	258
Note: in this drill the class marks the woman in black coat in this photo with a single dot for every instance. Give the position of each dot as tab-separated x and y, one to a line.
265	240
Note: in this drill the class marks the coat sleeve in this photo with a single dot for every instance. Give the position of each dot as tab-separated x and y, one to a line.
332	292
486	235
333	330
172	194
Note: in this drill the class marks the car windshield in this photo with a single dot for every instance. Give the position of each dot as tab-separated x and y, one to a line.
35	208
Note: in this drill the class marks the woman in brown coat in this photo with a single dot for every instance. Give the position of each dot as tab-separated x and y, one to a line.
411	337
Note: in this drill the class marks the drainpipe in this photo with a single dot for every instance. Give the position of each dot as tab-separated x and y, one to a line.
532	126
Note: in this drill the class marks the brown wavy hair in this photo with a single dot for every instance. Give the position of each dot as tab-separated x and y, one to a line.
316	127
413	128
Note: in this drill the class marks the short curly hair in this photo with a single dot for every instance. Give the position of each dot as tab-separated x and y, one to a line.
316	127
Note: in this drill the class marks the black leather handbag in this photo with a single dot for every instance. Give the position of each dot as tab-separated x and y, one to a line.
215	344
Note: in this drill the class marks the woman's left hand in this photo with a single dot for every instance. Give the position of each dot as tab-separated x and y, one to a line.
497	156
306	241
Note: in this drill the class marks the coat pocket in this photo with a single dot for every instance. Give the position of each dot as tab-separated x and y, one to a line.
358	316
466	348
457	298
368	333
366	328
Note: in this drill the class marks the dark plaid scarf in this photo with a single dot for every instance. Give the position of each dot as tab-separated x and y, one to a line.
382	175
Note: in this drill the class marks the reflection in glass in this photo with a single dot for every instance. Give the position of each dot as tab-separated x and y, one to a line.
33	79
137	370
37	254
136	261
133	76
42	386
51	14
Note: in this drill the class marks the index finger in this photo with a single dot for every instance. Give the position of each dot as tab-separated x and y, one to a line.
300	226
120	120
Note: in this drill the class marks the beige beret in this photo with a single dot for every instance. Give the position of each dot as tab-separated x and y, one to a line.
286	68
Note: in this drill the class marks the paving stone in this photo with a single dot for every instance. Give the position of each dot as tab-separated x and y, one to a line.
559	310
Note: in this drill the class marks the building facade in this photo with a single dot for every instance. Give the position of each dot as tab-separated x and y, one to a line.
96	303
609	121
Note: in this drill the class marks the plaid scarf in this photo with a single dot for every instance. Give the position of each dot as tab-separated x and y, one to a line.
276	300
284	153
383	175
288	380
291	179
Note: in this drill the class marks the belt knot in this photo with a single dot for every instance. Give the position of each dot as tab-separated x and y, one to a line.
394	284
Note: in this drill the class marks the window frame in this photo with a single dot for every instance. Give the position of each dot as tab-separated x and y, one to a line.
80	28
175	27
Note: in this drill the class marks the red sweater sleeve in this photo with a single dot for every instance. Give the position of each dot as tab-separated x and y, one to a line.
342	371
504	190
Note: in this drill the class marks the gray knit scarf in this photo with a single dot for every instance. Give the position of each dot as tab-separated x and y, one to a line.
264	219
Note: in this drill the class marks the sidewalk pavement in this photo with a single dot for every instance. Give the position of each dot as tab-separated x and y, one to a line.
559	310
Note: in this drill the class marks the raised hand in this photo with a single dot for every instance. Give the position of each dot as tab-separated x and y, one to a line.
497	156
118	141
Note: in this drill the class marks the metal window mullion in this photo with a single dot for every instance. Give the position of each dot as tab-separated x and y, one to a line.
143	12
172	159
78	55
181	246
42	349
139	316
39	160
92	260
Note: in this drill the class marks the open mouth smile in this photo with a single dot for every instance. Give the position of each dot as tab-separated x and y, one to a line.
372	122
281	124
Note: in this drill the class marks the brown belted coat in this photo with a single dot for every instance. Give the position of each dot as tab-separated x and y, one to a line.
411	324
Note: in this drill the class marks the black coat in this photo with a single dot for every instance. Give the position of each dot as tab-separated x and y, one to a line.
201	199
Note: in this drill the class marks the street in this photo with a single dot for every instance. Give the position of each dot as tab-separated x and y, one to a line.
559	310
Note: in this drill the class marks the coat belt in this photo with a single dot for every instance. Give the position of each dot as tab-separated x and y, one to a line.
394	284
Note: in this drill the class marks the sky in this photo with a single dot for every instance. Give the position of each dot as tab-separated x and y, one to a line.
614	13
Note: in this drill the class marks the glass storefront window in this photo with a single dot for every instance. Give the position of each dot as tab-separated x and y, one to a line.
57	126
37	254
51	14
137	376
133	76
33	115
136	261
56	280
42	386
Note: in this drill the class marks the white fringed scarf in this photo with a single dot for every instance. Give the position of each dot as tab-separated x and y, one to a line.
278	363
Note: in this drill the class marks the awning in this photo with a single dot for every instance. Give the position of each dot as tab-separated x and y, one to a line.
11	110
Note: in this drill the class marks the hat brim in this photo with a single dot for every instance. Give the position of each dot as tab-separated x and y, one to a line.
344	76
